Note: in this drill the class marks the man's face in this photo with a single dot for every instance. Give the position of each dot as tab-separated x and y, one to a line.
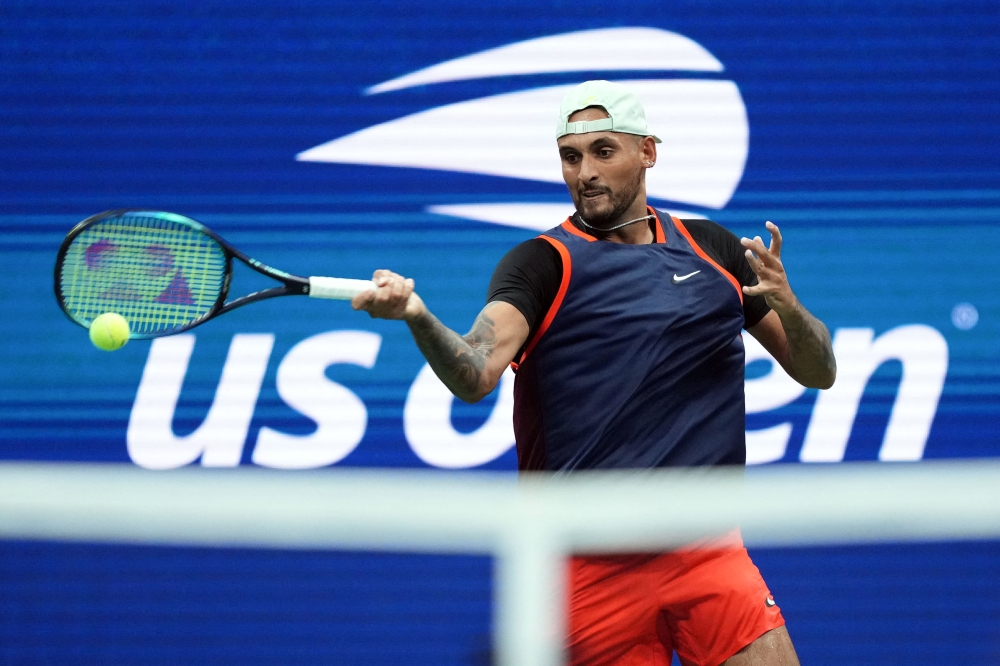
604	171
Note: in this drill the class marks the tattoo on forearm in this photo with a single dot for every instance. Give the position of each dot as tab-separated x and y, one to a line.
458	360
809	347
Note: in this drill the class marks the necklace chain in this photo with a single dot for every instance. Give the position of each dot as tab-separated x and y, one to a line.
619	226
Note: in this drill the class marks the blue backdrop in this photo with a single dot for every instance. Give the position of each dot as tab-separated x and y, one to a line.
330	138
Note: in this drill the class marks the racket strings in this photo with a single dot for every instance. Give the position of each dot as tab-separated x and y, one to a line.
157	273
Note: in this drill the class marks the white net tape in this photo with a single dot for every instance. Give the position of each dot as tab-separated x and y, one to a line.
529	524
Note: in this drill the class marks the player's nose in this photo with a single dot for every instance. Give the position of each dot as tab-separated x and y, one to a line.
588	170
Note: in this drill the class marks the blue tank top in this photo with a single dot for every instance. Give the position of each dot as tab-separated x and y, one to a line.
639	361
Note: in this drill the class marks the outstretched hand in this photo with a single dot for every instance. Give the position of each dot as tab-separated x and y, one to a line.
393	299
766	263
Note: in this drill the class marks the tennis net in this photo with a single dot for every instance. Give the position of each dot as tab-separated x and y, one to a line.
529	524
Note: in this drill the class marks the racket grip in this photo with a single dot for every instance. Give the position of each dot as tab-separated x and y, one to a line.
342	289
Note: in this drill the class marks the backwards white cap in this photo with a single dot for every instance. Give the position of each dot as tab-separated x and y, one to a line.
623	107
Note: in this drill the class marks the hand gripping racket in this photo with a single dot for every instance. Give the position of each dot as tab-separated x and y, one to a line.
164	273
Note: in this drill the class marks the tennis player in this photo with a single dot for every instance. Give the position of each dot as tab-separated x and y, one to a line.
624	326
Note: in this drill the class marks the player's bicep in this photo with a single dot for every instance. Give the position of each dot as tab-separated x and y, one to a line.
498	333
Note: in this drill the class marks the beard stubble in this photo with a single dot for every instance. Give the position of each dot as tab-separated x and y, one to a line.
619	202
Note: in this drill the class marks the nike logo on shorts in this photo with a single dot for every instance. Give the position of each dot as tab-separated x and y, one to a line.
677	279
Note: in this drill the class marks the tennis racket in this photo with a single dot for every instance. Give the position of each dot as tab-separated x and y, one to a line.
164	273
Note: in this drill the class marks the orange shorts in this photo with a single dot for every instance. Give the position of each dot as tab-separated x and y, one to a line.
707	603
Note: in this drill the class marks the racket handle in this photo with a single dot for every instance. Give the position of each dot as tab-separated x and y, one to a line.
342	289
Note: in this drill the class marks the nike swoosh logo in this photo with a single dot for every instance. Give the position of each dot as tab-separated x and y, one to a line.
680	278
769	602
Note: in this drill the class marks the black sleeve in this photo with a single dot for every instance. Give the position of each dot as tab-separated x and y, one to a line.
724	247
528	278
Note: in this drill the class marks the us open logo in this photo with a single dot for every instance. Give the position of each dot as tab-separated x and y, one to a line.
703	122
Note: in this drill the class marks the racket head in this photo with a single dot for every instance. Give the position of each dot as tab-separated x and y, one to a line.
163	272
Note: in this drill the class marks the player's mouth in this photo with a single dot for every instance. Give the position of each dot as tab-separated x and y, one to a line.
590	195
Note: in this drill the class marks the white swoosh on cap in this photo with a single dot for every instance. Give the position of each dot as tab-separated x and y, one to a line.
606	49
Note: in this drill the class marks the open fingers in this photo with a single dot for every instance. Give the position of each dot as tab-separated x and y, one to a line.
775	238
765	255
754	246
756	264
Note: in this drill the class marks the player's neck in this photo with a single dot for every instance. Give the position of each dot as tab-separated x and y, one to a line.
640	233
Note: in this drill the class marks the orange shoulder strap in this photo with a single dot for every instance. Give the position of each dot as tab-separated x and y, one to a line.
567	271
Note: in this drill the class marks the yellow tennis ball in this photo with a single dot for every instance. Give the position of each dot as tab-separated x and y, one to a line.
109	331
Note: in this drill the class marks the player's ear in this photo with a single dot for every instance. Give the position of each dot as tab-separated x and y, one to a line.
647	151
